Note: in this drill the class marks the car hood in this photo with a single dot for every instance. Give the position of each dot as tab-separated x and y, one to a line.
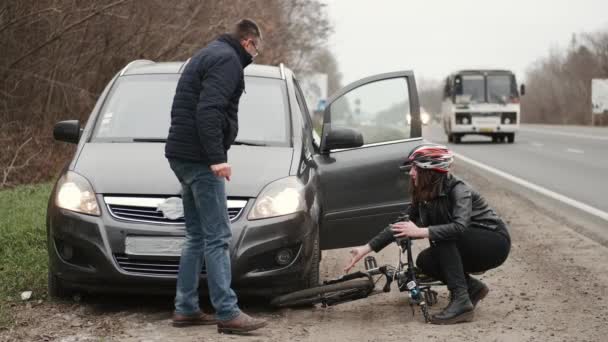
142	169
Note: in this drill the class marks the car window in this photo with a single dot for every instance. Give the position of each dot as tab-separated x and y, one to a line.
139	107
378	110
307	115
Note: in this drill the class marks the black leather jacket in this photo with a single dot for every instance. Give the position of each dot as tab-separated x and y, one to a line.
457	208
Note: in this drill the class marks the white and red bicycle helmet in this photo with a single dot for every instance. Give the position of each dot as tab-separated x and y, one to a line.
430	157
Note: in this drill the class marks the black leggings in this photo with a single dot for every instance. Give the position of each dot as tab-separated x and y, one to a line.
476	250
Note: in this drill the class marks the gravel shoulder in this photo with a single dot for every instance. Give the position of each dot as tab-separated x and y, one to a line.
553	287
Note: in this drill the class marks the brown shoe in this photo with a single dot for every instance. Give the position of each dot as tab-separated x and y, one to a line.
242	323
202	318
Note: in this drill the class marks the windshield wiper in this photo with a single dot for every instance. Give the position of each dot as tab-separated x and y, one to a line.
158	140
247	143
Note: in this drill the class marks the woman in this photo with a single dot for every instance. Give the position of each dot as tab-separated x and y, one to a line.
466	235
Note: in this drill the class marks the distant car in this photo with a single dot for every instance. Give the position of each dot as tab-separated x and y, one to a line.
296	189
425	117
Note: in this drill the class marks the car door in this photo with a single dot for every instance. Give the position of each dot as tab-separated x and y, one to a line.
362	188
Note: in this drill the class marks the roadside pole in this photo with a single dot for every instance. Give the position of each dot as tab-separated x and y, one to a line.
599	99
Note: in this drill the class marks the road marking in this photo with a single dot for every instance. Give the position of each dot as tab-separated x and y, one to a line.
573	150
564	199
574	135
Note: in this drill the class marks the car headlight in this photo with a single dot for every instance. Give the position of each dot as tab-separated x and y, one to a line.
75	193
282	197
425	118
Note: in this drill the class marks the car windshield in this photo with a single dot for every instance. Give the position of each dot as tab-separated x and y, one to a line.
139	109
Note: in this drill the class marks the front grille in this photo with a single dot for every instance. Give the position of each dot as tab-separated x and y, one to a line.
150	265
485	114
140	209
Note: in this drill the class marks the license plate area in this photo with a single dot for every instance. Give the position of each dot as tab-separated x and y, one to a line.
167	246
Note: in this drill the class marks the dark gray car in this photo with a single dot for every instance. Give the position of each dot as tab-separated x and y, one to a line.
297	187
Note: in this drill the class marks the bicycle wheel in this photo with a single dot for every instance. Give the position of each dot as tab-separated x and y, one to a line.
316	295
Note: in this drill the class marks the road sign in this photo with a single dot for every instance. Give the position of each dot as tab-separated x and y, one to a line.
314	87
599	95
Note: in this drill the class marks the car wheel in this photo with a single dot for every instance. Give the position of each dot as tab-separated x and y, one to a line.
450	138
56	289
496	139
511	138
457	138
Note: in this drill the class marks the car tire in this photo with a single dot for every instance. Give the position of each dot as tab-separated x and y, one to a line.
450	138
511	138
56	289
457	138
496	139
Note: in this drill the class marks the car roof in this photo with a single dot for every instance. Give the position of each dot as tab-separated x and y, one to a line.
142	67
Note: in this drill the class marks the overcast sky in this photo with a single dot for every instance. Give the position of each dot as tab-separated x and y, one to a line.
434	37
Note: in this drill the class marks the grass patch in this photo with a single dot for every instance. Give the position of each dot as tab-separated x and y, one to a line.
23	255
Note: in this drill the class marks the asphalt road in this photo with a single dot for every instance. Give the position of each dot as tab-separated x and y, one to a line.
569	160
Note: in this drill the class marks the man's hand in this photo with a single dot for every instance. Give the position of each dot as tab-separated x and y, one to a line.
409	228
356	254
222	170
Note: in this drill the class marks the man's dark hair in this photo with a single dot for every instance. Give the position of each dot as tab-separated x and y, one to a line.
245	29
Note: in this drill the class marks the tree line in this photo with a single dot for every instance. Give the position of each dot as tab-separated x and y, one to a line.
57	56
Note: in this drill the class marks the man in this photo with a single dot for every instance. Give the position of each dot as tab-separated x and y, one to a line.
204	124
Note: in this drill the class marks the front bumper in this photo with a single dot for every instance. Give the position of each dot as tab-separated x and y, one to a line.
88	253
484	129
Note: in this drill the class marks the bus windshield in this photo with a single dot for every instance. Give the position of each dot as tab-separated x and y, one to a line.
489	88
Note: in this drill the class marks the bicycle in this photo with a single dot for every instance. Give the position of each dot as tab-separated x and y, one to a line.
361	284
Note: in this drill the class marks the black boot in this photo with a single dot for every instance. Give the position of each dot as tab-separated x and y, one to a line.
459	310
477	290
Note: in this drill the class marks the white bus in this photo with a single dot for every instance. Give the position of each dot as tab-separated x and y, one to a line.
482	102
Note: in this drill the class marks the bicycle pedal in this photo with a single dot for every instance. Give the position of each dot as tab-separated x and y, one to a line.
370	263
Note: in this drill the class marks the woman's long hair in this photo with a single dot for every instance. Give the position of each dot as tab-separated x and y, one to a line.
429	185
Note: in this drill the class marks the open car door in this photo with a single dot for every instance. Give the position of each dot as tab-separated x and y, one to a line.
364	139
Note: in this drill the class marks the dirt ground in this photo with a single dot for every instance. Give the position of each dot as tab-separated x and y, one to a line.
553	287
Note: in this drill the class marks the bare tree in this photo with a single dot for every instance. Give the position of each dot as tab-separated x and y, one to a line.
57	56
559	85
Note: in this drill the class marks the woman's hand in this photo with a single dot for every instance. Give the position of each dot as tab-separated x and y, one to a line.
356	254
409	228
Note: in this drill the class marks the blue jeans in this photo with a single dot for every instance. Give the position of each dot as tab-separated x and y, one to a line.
207	241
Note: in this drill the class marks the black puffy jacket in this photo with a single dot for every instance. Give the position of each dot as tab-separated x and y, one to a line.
204	121
457	208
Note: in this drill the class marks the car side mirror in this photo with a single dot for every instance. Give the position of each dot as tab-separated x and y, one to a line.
522	90
341	138
68	131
